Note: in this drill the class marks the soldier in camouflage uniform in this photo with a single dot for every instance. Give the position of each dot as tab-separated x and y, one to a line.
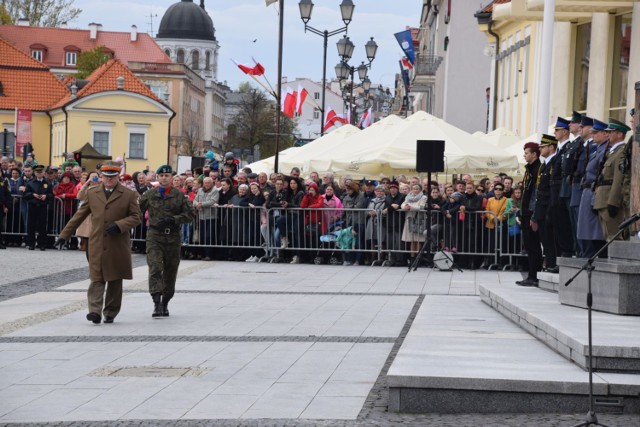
626	168
168	208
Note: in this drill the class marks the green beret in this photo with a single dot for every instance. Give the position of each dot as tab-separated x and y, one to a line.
164	169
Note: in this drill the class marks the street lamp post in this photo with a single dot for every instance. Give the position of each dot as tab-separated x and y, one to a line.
346	9
344	70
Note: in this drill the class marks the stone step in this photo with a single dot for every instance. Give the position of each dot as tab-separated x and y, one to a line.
460	356
616	340
548	281
615	285
629	251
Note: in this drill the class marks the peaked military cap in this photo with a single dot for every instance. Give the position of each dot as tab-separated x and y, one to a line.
164	169
548	140
598	125
586	121
562	123
576	117
617	125
38	168
110	169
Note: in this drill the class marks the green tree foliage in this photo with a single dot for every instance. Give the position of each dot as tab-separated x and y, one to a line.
255	124
88	61
39	13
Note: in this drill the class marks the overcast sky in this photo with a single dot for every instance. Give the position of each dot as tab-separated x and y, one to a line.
239	22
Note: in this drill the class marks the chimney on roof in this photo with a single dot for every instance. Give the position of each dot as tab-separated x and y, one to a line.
202	4
120	81
134	33
93	30
74	90
64	25
23	22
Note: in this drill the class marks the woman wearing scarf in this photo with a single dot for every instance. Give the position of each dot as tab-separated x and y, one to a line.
413	233
375	228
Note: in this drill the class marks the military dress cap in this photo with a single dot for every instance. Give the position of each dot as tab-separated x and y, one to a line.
576	117
617	125
562	123
110	169
531	145
548	140
38	168
369	182
598	125
586	121
164	169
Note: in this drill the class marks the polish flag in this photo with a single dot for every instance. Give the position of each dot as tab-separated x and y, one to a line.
406	64
258	70
367	119
331	118
302	95
289	100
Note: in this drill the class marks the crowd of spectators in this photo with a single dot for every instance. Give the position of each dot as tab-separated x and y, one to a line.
393	216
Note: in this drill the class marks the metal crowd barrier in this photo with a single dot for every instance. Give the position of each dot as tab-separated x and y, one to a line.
314	235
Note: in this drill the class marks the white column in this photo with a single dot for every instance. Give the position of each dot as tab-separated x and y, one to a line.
600	58
561	103
634	58
545	66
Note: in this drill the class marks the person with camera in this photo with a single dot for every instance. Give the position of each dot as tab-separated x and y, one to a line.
168	207
114	212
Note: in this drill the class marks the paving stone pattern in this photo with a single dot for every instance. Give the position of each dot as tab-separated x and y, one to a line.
350	287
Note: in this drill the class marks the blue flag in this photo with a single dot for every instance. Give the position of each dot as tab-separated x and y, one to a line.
406	43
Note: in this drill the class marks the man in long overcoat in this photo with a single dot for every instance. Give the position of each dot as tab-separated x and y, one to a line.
114	212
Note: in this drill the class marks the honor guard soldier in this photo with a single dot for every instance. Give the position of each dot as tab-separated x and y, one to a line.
168	208
38	194
626	167
568	169
114	212
580	159
608	199
542	211
561	192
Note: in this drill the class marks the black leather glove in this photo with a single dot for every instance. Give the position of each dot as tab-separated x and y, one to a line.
112	229
613	211
60	243
167	222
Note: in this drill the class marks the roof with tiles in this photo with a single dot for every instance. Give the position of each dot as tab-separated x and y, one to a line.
104	79
56	41
26	83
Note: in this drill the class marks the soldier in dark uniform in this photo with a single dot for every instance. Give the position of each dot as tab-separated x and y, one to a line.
38	194
168	208
589	230
561	193
608	198
626	167
530	232
568	169
580	159
5	202
542	213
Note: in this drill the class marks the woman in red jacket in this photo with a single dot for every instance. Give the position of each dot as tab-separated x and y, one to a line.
65	204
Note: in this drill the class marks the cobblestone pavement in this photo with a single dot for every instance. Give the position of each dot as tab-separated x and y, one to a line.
47	273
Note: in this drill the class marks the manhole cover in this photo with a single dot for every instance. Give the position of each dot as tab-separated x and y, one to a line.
148	371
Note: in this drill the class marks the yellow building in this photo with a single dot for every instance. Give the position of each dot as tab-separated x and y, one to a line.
112	110
595	59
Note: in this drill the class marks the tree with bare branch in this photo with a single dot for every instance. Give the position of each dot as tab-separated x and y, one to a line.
39	13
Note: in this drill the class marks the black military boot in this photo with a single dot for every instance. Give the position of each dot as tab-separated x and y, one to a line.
157	306
165	306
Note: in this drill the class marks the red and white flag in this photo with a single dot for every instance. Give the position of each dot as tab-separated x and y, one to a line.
366	119
406	64
302	95
331	118
256	70
289	102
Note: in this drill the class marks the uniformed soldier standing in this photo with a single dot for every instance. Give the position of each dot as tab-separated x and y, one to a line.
543	207
530	232
168	208
561	192
38	194
626	167
114	212
580	159
5	202
608	199
568	169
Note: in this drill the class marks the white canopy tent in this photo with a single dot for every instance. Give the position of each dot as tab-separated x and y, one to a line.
500	137
389	148
299	156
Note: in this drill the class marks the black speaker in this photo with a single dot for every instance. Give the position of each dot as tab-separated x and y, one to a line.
429	156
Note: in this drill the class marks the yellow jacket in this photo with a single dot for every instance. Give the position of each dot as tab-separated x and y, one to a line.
496	209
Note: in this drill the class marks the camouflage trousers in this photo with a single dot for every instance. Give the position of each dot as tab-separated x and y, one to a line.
163	258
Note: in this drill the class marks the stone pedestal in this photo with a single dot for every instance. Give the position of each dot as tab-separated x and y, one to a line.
615	281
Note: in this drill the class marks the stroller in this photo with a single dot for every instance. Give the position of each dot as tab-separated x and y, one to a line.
327	248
